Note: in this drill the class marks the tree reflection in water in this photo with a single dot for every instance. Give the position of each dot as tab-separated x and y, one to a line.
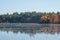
51	29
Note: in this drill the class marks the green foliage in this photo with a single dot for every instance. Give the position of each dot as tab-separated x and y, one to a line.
26	17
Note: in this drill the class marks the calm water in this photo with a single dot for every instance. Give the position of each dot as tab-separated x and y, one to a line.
30	34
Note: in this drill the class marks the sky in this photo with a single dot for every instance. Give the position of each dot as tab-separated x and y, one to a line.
10	6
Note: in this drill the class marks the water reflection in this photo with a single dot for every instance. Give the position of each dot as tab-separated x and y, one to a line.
30	32
46	28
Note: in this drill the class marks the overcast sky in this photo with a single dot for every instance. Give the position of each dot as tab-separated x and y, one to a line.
11	6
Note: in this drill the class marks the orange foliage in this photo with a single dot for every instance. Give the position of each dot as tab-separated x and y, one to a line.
53	18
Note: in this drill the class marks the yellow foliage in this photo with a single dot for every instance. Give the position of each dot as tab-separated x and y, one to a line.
53	18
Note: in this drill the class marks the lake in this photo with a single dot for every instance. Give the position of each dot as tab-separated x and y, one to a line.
46	32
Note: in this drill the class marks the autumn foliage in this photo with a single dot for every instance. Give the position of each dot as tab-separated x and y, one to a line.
30	17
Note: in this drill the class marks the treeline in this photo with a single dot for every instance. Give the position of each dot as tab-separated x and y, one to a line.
30	17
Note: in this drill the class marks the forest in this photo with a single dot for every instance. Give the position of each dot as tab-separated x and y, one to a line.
31	17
